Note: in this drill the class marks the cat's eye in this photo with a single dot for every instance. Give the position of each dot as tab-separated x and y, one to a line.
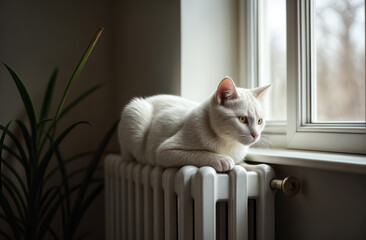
260	121
243	119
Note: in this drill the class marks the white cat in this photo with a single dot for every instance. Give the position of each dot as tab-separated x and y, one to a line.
171	131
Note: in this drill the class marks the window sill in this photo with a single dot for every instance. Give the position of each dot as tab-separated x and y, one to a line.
320	160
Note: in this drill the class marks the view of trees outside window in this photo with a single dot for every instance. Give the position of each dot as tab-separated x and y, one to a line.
340	60
273	50
339	41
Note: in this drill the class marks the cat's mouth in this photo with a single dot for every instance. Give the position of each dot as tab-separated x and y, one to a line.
249	140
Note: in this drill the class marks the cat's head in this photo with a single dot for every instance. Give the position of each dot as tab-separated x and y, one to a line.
237	112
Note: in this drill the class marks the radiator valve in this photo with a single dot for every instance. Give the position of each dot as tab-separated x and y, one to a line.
290	186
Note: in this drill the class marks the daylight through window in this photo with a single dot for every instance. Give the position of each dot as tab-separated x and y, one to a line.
339	85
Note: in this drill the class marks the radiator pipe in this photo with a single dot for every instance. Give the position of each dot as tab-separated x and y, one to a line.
290	186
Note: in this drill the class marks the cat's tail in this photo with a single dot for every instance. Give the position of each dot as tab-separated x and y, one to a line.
132	130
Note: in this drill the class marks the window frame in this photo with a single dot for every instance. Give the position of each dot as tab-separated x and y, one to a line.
298	132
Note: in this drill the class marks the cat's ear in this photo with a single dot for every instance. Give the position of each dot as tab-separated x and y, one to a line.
226	91
260	92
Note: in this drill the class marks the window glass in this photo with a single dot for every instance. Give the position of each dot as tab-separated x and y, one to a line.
339	36
273	57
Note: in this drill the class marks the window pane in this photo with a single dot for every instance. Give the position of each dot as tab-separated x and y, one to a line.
273	57
340	61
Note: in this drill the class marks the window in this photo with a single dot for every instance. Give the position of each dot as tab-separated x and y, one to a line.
321	62
273	57
339	59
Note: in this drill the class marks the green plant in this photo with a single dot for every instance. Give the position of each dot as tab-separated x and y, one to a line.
28	204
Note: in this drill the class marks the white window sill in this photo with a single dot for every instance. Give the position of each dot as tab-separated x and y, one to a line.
320	160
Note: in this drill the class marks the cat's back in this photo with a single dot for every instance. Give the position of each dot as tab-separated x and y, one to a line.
151	119
170	103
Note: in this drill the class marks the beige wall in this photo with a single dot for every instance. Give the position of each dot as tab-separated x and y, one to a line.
140	54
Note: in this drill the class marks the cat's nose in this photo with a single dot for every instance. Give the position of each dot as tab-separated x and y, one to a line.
254	135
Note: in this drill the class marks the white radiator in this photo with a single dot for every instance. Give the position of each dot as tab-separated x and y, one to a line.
145	202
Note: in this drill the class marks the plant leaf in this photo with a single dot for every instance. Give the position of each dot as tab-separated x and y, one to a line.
21	151
74	222
45	223
52	232
11	152
79	99
2	139
15	195
10	216
47	99
38	180
65	179
75	214
46	202
77	71
26	135
47	157
67	161
27	101
15	173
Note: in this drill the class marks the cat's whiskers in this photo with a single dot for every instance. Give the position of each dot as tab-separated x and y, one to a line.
265	142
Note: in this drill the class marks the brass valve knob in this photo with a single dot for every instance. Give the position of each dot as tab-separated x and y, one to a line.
290	186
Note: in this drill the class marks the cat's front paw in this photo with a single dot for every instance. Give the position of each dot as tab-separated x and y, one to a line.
223	164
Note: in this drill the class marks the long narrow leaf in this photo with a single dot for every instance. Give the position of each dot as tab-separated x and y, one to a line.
46	103
31	143
77	71
67	161
52	232
36	188
11	152
48	198
27	101
42	134
2	139
74	216
17	144
47	157
79	99
45	223
89	199
11	219
26	135
65	179
15	195
47	99
17	176
94	162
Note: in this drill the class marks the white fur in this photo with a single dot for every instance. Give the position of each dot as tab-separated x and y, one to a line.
171	131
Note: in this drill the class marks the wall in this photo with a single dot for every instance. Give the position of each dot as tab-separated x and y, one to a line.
331	205
140	54
210	43
147	49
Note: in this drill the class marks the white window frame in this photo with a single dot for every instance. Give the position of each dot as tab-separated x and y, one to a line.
298	132
301	133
